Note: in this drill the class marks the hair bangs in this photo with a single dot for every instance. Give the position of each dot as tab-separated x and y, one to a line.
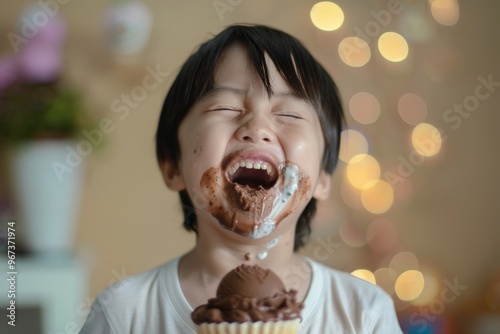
294	67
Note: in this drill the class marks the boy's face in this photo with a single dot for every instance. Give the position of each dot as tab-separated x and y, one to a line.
247	159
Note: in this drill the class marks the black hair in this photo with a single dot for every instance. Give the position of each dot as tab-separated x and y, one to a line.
304	75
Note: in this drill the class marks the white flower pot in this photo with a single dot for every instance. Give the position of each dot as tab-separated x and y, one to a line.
47	203
127	25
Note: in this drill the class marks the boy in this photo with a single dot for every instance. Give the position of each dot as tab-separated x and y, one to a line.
249	136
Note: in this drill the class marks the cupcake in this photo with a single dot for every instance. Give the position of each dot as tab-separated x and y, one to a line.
249	299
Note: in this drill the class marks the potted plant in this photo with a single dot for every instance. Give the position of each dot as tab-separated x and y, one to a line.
40	117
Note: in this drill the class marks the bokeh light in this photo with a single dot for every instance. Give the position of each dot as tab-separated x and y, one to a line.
393	46
352	143
426	139
429	292
381	234
412	108
361	169
354	51
351	234
445	12
385	278
404	261
409	285
416	26
377	196
365	274
327	16
364	108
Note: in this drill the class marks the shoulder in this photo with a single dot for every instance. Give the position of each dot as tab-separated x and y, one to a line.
345	284
130	286
150	300
347	303
131	292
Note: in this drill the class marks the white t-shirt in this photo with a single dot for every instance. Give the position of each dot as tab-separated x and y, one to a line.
153	302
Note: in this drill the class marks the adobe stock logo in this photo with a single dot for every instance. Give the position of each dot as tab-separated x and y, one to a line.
223	6
83	310
325	248
420	319
454	117
381	19
470	103
123	107
35	19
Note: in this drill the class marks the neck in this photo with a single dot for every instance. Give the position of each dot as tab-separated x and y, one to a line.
218	251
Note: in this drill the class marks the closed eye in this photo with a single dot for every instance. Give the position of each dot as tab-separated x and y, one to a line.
225	109
290	115
225	112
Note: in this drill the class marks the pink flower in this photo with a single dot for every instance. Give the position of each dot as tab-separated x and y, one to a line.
40	58
51	29
54	32
40	62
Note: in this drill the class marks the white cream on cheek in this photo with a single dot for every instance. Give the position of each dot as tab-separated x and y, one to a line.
290	186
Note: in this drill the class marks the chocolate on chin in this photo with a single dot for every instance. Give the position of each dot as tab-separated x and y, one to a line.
254	211
249	294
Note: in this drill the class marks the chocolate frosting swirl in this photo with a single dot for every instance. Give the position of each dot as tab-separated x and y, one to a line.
249	294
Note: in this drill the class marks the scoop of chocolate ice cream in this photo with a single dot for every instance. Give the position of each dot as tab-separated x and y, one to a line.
250	281
249	293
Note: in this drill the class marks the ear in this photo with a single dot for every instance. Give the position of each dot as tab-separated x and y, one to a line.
322	190
172	176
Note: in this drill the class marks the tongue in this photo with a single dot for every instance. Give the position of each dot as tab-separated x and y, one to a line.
252	178
253	183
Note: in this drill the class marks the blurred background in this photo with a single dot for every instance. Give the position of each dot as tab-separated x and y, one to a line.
415	202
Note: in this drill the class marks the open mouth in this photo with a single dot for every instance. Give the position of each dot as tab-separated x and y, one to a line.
254	174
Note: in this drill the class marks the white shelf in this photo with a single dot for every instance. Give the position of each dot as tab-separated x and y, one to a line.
58	284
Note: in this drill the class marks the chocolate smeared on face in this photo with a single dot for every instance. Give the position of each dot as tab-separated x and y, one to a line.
252	198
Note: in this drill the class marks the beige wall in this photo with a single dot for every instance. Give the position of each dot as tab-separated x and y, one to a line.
131	222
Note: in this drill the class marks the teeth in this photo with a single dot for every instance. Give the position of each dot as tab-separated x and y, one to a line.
252	165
